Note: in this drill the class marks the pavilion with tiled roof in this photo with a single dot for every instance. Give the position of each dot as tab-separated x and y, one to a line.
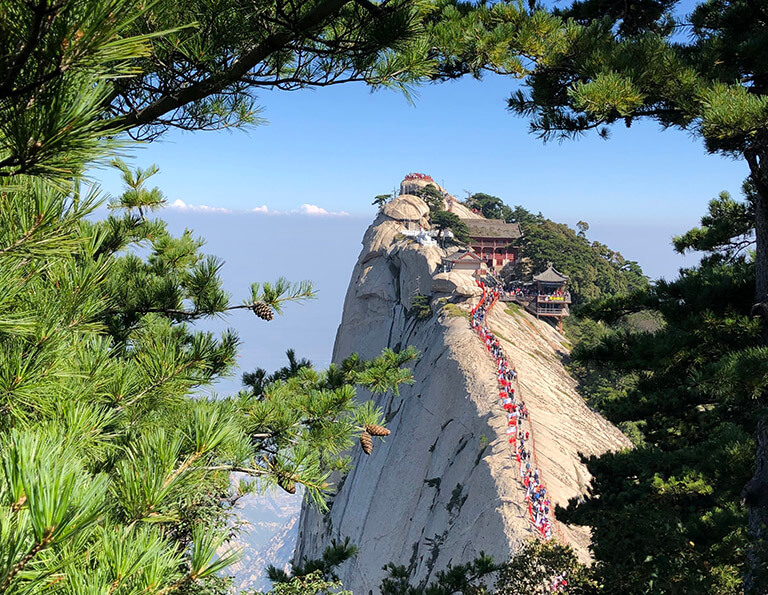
552	297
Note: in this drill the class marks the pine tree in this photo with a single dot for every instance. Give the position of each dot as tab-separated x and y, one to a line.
103	449
691	393
444	220
530	571
491	207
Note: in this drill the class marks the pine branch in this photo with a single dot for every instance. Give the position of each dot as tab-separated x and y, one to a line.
223	79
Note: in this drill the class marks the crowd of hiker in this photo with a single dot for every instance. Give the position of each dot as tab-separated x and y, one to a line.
528	292
559	583
536	496
417	176
557	294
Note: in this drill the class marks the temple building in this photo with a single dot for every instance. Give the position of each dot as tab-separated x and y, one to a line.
493	241
552	297
463	261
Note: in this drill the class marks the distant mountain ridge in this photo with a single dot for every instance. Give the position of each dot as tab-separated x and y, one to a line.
268	537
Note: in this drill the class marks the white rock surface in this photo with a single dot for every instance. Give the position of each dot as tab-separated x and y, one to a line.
462	212
406	207
458	283
443	486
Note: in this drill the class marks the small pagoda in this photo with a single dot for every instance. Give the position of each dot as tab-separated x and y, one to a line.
552	296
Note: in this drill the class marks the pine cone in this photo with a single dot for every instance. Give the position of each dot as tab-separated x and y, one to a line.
366	442
263	311
375	430
285	482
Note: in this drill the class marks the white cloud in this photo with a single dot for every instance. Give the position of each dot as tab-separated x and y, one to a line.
305	209
182	206
315	211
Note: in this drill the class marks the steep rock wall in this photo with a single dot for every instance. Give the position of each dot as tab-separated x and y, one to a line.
443	487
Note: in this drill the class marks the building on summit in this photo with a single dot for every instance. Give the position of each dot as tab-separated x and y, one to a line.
492	241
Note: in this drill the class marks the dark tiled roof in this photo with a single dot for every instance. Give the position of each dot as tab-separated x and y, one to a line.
551	275
492	228
461	255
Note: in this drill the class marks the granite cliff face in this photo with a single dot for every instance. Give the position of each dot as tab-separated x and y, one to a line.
443	486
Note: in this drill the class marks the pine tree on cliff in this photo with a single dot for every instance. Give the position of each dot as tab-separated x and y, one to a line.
445	220
491	207
691	399
529	572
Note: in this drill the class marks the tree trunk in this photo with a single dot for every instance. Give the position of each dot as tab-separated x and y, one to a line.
761	235
755	493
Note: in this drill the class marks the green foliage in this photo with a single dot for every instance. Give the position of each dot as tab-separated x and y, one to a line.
599	384
334	555
279	292
453	310
532	569
136	196
689	391
421	308
445	220
727	230
467	579
57	60
312	584
529	572
500	37
258	380
433	197
595	270
490	207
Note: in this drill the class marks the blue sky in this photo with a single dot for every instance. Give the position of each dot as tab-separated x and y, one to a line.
338	147
325	154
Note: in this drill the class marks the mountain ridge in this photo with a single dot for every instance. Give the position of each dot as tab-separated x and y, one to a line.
443	487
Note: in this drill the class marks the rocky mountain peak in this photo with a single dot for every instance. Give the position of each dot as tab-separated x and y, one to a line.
444	486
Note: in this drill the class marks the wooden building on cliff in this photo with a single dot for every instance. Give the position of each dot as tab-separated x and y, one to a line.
463	260
494	241
552	296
